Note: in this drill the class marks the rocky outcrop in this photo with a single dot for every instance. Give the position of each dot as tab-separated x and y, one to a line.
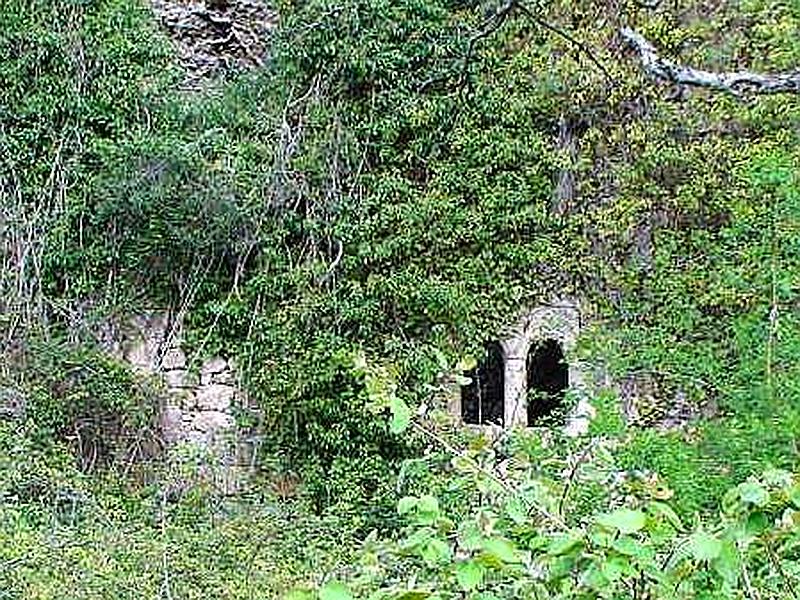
12	403
215	37
651	399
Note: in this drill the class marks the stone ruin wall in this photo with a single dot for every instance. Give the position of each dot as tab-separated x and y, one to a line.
559	320
201	402
216	38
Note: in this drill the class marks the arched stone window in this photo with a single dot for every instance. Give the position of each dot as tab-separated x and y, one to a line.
548	378
482	400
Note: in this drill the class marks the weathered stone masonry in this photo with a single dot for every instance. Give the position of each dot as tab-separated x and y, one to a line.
200	404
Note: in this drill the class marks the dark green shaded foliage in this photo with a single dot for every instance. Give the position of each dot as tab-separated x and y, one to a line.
90	402
375	133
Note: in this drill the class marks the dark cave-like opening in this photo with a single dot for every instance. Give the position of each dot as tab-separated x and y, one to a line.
548	379
482	400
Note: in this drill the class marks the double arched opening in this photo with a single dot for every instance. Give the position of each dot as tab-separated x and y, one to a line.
545	379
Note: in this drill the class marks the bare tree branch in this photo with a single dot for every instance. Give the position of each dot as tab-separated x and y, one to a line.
488	27
332	267
583	48
736	82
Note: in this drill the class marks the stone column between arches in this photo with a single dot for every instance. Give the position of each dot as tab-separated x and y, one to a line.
559	321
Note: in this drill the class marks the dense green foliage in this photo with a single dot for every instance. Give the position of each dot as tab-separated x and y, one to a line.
68	536
386	183
516	535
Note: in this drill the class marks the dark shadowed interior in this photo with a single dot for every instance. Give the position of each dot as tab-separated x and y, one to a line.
548	379
482	400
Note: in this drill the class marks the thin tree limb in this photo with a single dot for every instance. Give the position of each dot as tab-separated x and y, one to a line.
752	593
332	267
488	27
572	474
787	582
583	48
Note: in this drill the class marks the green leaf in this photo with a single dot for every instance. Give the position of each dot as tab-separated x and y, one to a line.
469	536
436	552
565	543
463	465
441	358
469	575
468	363
335	591
623	520
794	496
401	415
516	511
615	568
428	504
704	546
631	547
751	492
406	505
730	502
757	523
418	538
727	564
501	549
665	510
427	509
299	595
593	578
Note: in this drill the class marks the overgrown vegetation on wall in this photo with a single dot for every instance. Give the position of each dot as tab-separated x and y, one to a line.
402	178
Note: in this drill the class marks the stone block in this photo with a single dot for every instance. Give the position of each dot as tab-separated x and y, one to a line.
214	365
139	355
580	419
12	403
172	424
174	358
187	399
177	379
215	397
210	421
215	370
199	438
225	377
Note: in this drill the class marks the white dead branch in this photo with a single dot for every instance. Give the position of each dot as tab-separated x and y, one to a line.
737	83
